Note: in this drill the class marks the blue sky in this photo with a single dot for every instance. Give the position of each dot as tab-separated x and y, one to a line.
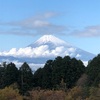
24	21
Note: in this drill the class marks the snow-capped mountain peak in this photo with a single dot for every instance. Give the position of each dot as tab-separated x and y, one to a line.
49	39
45	48
49	45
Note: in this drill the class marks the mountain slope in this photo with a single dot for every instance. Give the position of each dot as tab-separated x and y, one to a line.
45	48
59	47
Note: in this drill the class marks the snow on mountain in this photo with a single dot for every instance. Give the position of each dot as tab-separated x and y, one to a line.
45	48
54	46
49	40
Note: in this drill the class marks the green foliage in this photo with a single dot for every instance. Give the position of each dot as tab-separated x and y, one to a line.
61	73
42	77
93	71
46	74
37	77
54	71
57	72
1	77
25	80
9	75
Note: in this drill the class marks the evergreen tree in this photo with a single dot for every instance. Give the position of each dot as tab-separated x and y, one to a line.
51	75
43	76
37	78
10	74
47	75
57	73
93	71
25	78
76	69
1	77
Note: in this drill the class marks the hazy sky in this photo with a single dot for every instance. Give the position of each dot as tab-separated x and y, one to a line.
24	21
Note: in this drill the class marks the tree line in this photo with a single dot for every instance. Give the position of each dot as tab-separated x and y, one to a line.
60	73
67	69
22	77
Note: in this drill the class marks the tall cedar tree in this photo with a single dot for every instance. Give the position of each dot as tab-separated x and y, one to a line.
10	74
25	78
43	76
93	71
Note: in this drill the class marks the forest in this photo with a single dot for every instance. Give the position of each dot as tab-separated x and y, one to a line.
63	78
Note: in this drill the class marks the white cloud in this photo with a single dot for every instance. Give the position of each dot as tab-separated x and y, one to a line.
78	55
18	64
35	25
90	31
33	66
41	51
26	52
85	63
71	49
58	51
39	23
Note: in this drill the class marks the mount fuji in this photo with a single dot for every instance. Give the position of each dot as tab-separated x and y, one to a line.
58	47
49	40
45	48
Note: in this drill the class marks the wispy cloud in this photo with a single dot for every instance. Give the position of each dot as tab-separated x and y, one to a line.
36	25
90	31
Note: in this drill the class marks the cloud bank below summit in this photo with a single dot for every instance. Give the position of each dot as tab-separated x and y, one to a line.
41	51
45	48
37	52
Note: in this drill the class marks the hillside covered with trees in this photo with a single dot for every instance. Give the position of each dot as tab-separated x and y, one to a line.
60	79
